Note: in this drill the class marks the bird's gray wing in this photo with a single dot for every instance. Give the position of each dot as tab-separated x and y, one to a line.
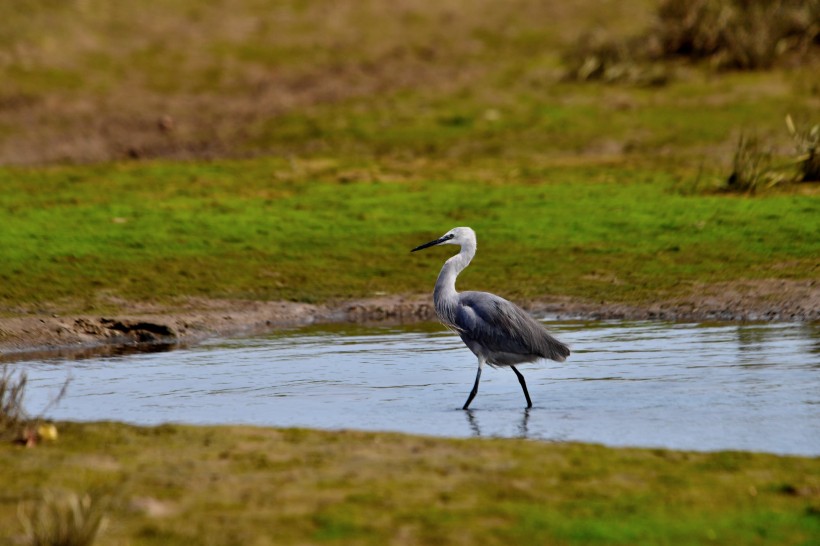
501	326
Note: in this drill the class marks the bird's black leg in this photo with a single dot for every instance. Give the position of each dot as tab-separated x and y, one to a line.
523	386
475	388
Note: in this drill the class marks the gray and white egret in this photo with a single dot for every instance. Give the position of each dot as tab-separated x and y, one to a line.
497	331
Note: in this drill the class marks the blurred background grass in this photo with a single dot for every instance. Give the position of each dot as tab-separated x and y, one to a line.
93	80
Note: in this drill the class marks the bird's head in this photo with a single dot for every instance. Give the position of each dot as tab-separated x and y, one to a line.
456	236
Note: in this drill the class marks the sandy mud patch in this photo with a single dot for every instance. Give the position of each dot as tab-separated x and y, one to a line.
197	319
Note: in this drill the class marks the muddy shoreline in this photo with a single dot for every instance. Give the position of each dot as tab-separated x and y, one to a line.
197	320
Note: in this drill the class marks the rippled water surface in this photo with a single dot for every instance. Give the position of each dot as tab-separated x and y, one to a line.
686	386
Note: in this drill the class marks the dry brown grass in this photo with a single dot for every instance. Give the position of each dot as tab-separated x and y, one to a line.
757	165
84	80
739	34
728	34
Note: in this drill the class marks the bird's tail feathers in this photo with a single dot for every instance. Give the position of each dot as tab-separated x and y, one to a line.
554	349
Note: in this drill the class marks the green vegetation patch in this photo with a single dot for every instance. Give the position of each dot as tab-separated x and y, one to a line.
322	230
238	485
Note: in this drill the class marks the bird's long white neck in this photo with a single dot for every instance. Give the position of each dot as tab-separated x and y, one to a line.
445	292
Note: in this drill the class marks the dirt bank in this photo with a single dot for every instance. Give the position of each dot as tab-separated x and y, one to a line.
200	319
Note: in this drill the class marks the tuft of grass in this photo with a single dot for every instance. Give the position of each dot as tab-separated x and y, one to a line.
13	416
63	519
807	143
16	425
752	164
752	167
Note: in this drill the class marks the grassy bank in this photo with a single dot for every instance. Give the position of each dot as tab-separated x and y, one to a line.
205	485
366	129
88	237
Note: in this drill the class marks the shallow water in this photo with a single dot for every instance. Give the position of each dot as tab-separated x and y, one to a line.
683	386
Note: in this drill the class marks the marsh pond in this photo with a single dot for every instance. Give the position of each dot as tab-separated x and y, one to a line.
686	386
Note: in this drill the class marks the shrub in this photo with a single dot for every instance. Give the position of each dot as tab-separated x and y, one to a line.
729	34
738	34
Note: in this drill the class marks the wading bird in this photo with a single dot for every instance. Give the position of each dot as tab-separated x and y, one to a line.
497	331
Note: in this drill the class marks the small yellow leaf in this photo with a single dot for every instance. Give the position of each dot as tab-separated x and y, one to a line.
47	432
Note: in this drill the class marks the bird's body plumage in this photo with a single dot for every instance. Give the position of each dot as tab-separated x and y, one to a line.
497	331
502	332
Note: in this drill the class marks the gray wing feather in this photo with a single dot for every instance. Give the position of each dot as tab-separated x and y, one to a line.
500	326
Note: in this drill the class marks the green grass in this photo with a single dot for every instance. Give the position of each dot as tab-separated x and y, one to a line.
367	128
320	231
238	485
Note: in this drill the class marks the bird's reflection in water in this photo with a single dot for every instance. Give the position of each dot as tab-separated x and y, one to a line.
471	420
522	427
523	431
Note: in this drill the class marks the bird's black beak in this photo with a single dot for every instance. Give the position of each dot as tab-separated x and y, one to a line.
434	243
